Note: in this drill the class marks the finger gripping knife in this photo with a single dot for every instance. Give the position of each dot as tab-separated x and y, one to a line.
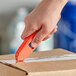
25	49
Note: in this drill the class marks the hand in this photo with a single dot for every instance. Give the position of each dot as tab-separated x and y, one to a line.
43	18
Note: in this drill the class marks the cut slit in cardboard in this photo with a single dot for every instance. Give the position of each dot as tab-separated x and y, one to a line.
46	68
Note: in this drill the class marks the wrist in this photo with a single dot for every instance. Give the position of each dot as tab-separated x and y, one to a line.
58	4
57	1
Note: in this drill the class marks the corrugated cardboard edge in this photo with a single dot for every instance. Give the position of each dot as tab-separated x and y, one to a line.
12	68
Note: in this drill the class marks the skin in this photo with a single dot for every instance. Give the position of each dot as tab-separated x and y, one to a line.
43	18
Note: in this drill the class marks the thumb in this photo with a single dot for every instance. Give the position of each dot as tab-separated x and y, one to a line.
27	32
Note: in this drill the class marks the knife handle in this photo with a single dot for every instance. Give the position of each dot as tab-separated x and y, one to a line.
25	49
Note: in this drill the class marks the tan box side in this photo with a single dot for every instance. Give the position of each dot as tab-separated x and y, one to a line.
6	70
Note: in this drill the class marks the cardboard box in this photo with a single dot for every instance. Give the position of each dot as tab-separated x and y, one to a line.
41	68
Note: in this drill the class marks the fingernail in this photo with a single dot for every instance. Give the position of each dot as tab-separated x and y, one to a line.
33	44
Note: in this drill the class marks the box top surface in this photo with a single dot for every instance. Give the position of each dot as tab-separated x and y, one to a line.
38	54
46	66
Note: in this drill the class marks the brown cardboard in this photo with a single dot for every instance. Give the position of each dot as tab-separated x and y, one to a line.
46	68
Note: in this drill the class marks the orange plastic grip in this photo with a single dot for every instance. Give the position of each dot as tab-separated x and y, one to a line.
25	49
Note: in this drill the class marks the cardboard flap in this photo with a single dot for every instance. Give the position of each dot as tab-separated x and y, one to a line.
6	70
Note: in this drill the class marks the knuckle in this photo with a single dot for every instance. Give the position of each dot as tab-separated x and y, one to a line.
33	29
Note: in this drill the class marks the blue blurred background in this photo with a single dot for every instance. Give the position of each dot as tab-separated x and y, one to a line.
12	13
67	27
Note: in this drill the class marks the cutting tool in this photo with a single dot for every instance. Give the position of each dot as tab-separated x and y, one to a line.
25	49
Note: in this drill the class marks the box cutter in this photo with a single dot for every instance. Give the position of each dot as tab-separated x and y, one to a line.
25	49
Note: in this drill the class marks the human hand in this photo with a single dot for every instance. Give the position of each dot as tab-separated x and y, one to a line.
43	18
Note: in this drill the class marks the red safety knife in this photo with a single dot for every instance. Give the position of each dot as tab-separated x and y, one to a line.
25	49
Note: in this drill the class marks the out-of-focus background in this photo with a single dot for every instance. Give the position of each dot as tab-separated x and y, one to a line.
12	13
